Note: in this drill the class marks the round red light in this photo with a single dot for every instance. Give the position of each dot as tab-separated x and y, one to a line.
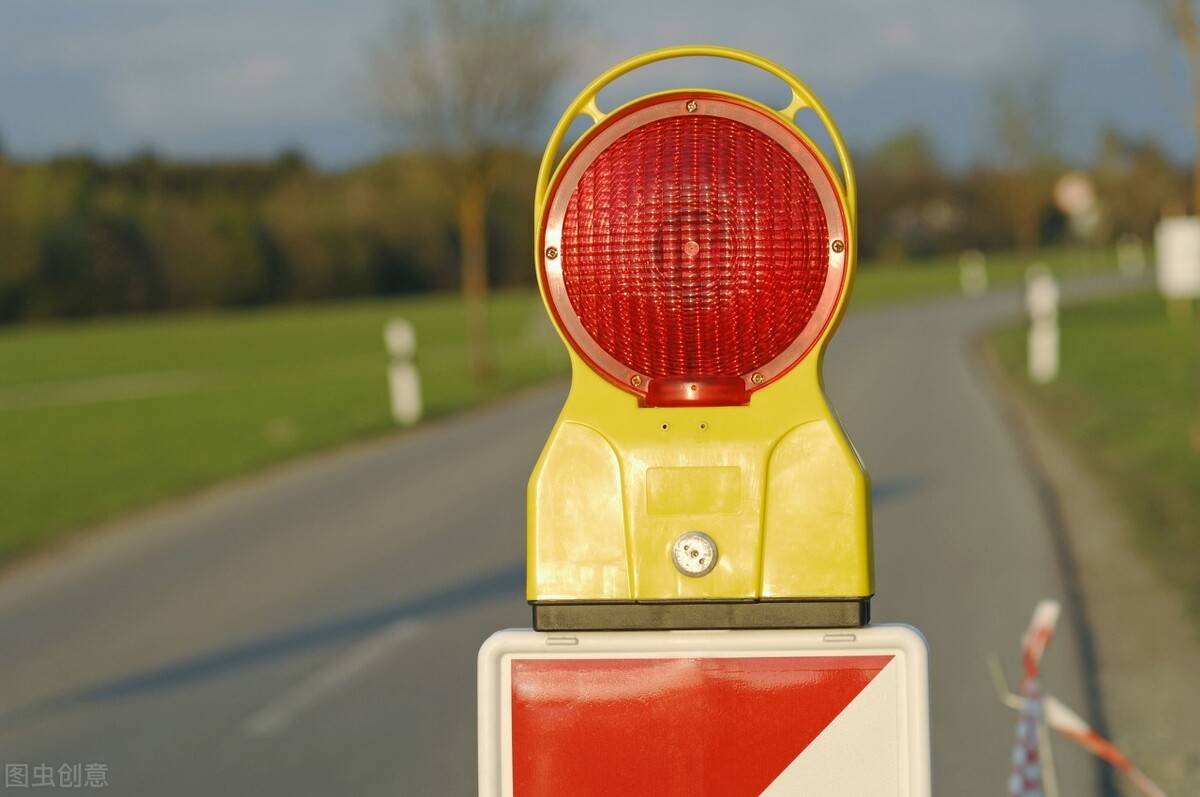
694	245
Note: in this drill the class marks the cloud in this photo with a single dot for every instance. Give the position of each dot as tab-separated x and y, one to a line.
846	43
124	73
187	67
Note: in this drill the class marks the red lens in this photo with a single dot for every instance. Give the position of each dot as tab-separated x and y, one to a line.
695	246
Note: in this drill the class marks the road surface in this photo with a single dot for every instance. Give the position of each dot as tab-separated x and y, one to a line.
313	631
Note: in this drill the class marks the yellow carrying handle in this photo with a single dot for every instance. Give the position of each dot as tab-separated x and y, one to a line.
802	97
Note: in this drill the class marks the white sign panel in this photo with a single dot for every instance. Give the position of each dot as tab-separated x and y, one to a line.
782	713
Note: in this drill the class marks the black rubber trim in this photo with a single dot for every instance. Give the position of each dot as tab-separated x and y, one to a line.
615	616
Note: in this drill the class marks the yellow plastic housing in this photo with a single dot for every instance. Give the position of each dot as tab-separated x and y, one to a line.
774	482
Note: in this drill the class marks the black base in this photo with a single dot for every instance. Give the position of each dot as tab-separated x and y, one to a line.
678	615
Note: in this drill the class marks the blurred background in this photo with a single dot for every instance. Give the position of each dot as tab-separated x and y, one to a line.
209	213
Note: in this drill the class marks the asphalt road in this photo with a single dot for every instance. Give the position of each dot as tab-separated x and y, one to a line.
313	631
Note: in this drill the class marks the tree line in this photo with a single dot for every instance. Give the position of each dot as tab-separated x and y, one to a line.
81	236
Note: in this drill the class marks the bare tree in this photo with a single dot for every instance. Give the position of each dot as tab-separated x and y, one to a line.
1180	17
1025	128
468	80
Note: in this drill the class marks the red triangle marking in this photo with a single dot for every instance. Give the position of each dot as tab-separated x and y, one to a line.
663	727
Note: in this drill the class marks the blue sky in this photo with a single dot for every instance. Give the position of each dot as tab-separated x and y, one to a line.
219	78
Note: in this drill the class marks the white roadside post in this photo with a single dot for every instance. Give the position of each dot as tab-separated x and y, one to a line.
1177	241
972	272
1131	256
404	382
1041	302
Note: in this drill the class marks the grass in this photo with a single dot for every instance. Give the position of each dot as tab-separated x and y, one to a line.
1128	396
218	395
101	417
892	281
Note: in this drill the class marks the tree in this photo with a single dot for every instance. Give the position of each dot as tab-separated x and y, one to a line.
469	81
908	194
1137	182
1180	17
908	154
1025	127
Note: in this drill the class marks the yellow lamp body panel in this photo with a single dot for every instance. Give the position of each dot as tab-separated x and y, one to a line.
581	482
774	482
816	532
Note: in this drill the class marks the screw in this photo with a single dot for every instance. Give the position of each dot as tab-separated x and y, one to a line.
551	252
635	380
691	106
838	246
758	379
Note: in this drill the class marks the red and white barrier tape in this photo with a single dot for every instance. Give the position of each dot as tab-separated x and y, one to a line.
1038	635
1071	725
1026	777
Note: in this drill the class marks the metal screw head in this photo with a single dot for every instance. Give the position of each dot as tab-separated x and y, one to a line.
551	252
758	379
635	380
839	246
694	553
691	106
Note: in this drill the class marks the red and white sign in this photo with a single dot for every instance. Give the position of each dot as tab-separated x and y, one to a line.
729	713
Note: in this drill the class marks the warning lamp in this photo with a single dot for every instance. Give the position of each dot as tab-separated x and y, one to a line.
695	250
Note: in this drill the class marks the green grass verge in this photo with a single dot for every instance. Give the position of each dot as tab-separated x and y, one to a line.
1127	396
101	417
892	281
210	396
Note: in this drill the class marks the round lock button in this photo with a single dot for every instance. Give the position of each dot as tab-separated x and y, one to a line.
694	553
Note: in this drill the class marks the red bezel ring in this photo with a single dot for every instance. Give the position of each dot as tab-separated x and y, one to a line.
693	104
